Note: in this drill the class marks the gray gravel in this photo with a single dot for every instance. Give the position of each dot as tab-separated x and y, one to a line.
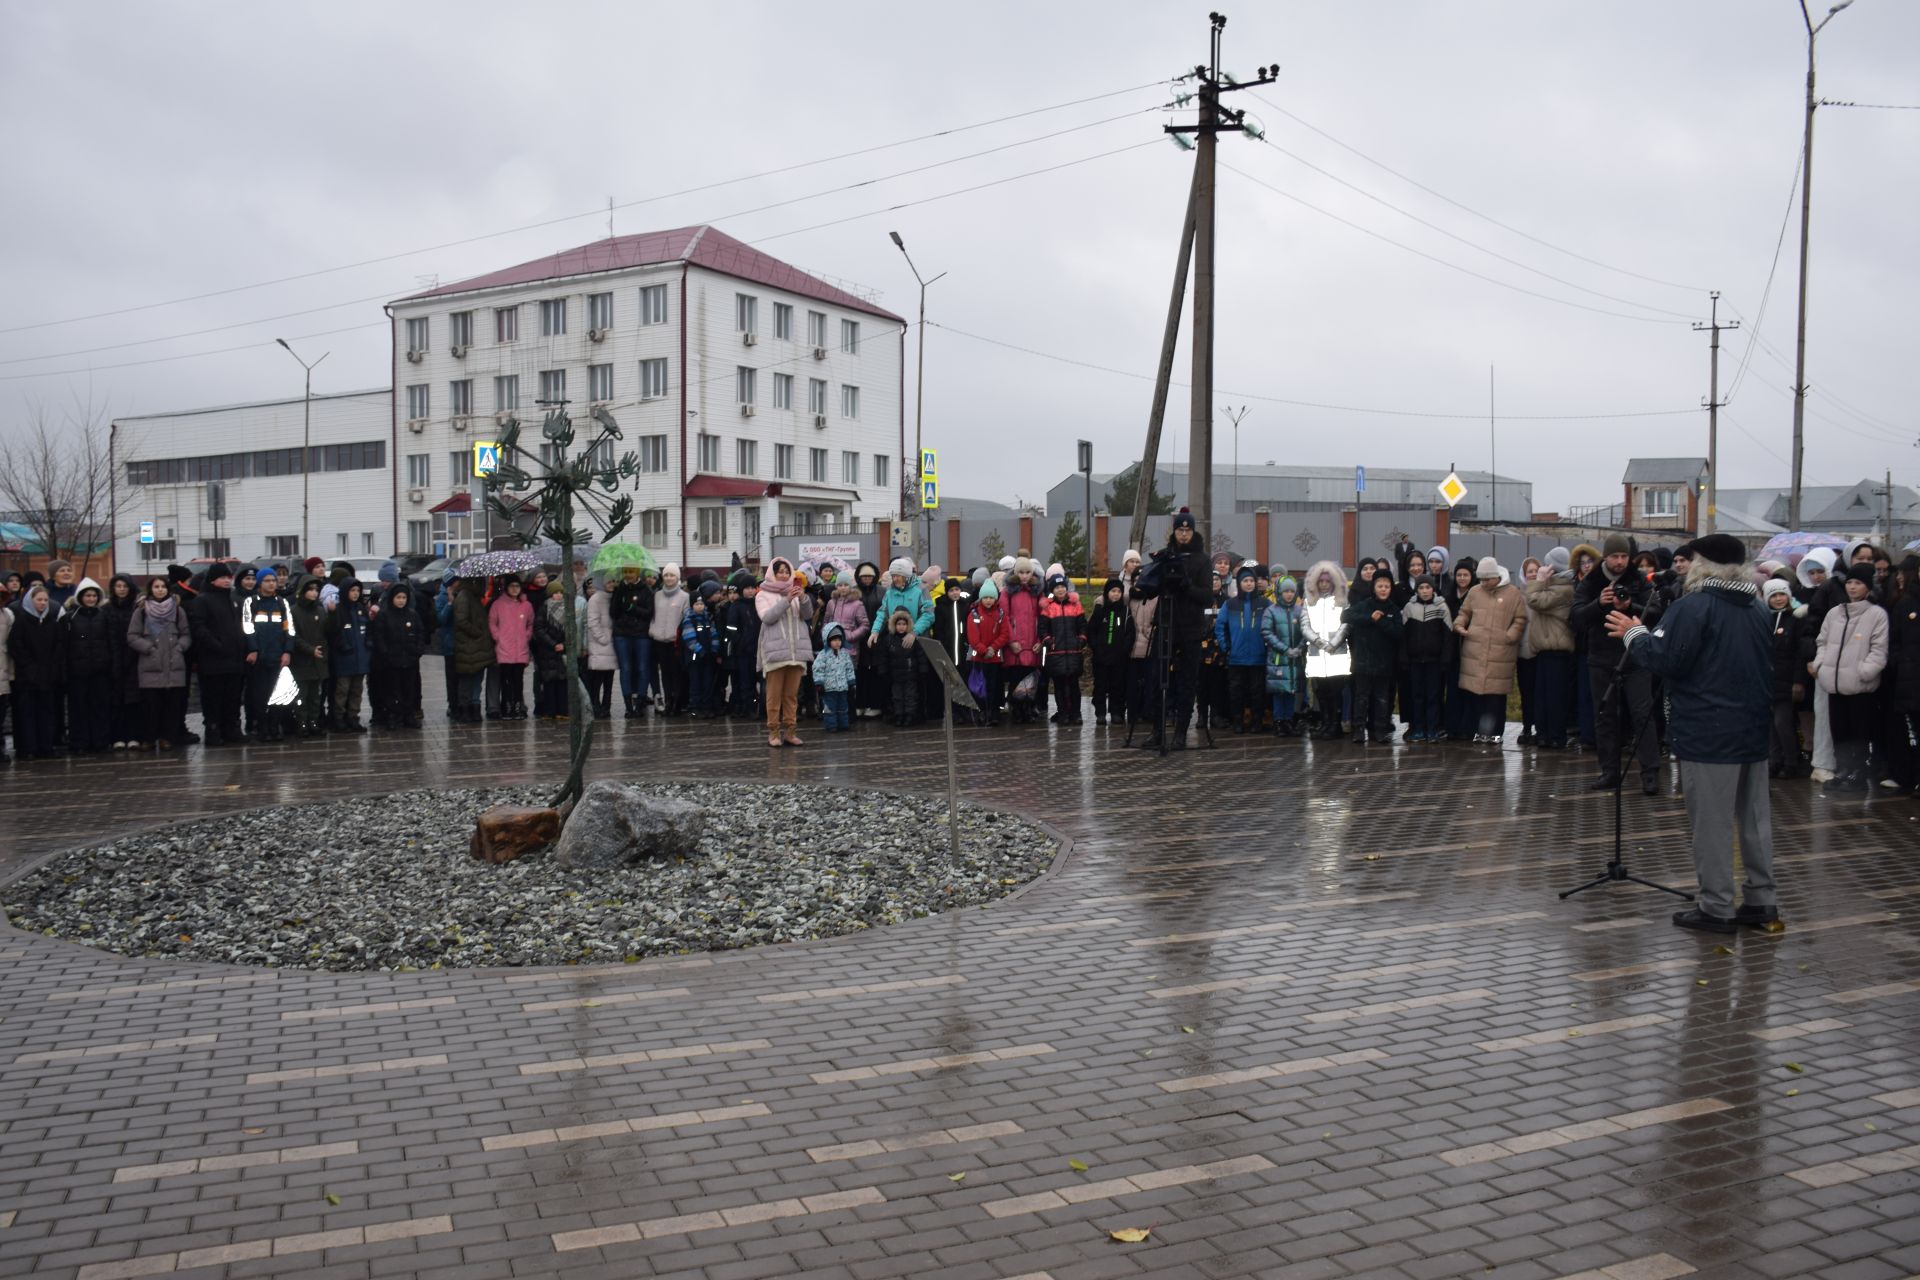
387	884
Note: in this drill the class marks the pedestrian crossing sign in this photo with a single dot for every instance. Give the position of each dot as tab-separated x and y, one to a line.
486	457
1453	488
929	494
929	464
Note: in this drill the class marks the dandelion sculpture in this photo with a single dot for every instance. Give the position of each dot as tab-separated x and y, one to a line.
573	487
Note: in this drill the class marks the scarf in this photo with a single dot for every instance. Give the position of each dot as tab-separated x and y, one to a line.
159	614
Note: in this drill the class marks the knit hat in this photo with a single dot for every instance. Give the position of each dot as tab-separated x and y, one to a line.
740	580
930	576
988	591
1006	564
900	611
1559	559
1721	548
900	567
1056	580
1488	568
666	569
1425	580
1131	556
55	566
979	575
389	572
1245	573
1288	584
555	589
1111	584
1775	587
179	573
313	564
1861	572
1183	519
1617	544
266	571
709	589
218	572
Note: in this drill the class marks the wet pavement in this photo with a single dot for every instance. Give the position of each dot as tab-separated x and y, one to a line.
1301	1010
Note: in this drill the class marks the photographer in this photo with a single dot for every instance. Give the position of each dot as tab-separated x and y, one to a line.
1615	588
1186	590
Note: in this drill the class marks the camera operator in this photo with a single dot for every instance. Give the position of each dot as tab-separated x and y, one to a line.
1186	578
1615	588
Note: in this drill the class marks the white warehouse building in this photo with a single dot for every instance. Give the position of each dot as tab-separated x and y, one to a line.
170	462
754	395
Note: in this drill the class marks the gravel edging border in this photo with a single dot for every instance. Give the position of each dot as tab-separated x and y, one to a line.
1065	844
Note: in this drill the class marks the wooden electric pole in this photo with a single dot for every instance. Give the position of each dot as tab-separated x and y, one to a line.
1713	402
1196	238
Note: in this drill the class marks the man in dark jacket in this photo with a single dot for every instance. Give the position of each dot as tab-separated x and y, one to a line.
1186	585
1714	649
267	623
220	655
1614	587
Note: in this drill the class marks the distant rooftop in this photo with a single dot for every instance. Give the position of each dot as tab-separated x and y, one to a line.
1663	470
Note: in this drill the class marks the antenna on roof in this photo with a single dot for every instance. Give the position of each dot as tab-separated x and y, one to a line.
609	217
428	281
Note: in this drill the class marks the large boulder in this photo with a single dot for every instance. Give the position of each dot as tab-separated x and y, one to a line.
615	825
505	832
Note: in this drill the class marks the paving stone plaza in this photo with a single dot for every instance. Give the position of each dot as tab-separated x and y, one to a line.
1300	1009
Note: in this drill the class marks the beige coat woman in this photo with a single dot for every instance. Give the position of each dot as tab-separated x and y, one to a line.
1492	619
1549	605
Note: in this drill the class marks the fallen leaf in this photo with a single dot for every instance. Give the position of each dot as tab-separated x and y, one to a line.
1573	1031
1078	1166
1327	1134
957	1177
1699	982
253	1131
332	1198
1872	1128
1130	1235
1723	950
1795	1067
1791	1092
1188	1030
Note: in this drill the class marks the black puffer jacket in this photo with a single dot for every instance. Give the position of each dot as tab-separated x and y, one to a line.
630	607
126	673
1903	649
1792	650
396	635
88	642
219	645
34	644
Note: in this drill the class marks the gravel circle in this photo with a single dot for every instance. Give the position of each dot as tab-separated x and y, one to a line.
386	883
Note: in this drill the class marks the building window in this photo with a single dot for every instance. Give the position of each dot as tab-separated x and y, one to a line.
553	318
216	548
340	542
418	533
599	455
417	335
163	549
1659	502
712	530
652	453
460	461
749	530
653	379
783	462
783	320
880	471
783	391
746	313
816	395
419	401
506	324
653	527
850	336
817	329
419	470
653	304
746	457
849	402
506	393
366	544
817	465
460	328
280	545
460	398
849	467
743	384
553	385
600	382
600	311
709	453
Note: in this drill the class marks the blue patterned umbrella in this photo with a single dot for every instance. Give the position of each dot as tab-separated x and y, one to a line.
1790	548
491	564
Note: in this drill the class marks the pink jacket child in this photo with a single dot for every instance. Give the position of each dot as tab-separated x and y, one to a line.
846	609
510	620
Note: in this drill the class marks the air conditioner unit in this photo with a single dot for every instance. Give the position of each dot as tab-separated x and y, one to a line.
459	353
460	424
415	357
820	420
819	353
503	417
596	335
746	411
416	495
748	339
416	425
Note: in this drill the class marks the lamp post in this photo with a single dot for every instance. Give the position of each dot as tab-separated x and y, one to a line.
1234	416
1800	327
1085	459
919	380
306	446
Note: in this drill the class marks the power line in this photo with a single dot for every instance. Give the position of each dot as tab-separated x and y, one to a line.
1871	106
197	333
1312	404
594	213
1512	230
1454	266
1753	329
188	355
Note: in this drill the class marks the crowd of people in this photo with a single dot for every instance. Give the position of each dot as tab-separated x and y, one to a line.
1422	646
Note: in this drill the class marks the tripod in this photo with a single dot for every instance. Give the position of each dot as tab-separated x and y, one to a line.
1616	868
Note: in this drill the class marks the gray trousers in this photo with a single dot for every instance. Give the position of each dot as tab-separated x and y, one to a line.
1723	798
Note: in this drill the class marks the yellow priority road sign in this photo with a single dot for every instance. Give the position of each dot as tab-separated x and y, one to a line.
1452	488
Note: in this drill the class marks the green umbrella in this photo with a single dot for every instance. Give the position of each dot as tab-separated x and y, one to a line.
615	556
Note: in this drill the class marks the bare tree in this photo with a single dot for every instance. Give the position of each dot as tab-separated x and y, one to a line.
58	482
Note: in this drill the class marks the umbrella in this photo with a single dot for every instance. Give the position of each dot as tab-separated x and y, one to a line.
1792	547
549	551
491	564
620	555
1912	546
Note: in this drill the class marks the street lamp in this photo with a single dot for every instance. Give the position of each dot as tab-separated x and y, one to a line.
1234	416
1800	328
919	379
306	447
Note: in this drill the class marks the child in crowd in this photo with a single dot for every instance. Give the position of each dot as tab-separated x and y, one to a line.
1789	681
352	656
550	654
700	651
902	660
1427	631
1283	633
1329	665
1063	633
987	638
1109	642
1373	630
1240	639
833	675
510	622
87	640
740	635
397	638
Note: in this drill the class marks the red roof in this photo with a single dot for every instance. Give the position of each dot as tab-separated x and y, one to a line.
702	246
459	504
723	487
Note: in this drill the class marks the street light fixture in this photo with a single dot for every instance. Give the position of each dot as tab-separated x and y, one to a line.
1800	327
919	382
306	447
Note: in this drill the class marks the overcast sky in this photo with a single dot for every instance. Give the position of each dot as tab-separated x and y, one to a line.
158	151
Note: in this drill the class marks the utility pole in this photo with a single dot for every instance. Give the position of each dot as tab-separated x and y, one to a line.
1800	327
1197	247
1713	402
1143	474
306	448
1493	454
919	386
